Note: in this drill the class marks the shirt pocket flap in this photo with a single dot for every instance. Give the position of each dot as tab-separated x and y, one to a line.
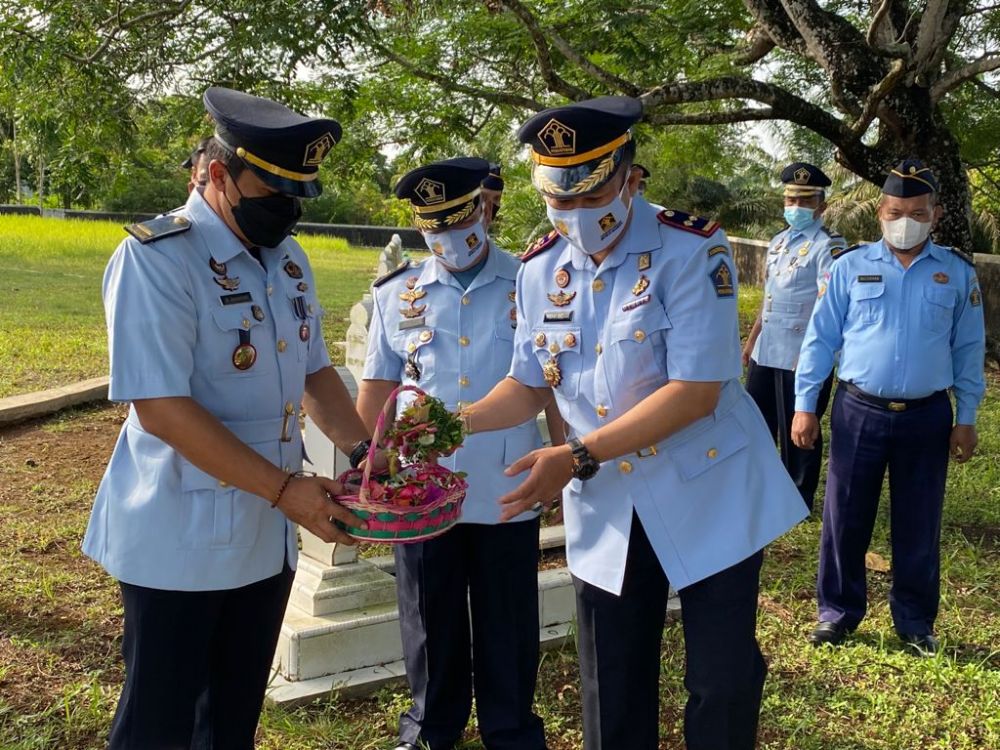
702	452
234	318
555	339
505	330
638	325
868	290
193	478
940	295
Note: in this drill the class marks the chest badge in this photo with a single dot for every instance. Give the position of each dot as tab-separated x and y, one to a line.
412	295
552	373
562	278
940	277
411	282
640	286
804	250
512	296
293	269
513	317
227	283
413	312
561	299
245	353
304	332
218	269
645	261
258	313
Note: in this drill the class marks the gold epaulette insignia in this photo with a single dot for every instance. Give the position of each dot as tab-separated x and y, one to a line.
967	257
392	274
688	222
158	228
540	245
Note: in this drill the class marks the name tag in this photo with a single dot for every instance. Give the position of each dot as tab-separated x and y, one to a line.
635	303
868	279
411	323
236	299
558	316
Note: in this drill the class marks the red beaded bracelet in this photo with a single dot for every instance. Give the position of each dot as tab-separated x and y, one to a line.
284	485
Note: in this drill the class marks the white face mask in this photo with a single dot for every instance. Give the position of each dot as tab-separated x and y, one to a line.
591	229
904	232
458	249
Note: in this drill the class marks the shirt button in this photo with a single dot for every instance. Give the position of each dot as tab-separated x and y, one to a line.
270	289
598	348
466	300
597	285
463	381
463	340
602	410
223	484
287	469
640	335
246	324
712	453
282	345
625	467
554	348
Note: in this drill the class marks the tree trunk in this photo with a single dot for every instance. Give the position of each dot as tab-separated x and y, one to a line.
41	182
17	162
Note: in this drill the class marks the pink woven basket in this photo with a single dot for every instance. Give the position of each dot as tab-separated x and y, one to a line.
389	520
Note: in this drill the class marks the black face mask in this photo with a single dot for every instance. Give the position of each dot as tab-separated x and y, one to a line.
265	221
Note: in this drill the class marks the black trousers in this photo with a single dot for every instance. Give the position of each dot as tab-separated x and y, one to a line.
197	665
491	571
620	639
865	440
773	390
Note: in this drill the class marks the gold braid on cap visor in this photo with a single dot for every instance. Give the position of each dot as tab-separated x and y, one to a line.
575	180
440	222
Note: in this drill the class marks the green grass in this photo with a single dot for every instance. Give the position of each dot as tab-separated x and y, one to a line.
52	328
60	626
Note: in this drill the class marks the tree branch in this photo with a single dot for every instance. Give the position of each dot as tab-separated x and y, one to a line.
955	78
446	83
596	71
153	15
881	35
877	94
727	117
553	80
759	45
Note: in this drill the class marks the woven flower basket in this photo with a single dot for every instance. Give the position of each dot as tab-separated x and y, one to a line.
427	505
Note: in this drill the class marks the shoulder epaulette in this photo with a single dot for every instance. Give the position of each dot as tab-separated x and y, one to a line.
158	228
688	222
539	246
967	257
392	274
837	252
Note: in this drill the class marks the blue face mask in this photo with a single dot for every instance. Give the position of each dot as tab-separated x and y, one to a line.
799	217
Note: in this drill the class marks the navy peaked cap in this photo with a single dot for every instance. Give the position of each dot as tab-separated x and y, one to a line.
443	193
910	178
579	147
279	145
801	179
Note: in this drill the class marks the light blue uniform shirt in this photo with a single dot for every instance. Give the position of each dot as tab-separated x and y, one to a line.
661	306
903	333
797	269
460	346
158	521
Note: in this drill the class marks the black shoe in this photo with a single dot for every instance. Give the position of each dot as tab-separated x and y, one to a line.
922	645
828	632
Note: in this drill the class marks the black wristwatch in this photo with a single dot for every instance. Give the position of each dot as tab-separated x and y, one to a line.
584	465
359	453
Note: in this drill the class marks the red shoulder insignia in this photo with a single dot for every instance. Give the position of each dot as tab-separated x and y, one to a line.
688	222
540	245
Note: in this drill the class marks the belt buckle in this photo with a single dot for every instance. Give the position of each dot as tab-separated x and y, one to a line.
646	452
897	406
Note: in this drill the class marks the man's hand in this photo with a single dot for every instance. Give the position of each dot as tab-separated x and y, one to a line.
963	442
551	470
805	429
307	501
747	351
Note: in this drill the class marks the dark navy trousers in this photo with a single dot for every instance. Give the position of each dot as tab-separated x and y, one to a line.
492	573
913	444
773	390
619	644
197	665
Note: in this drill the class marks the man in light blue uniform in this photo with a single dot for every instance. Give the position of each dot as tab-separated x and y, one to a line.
906	315
447	326
797	271
628	316
214	336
